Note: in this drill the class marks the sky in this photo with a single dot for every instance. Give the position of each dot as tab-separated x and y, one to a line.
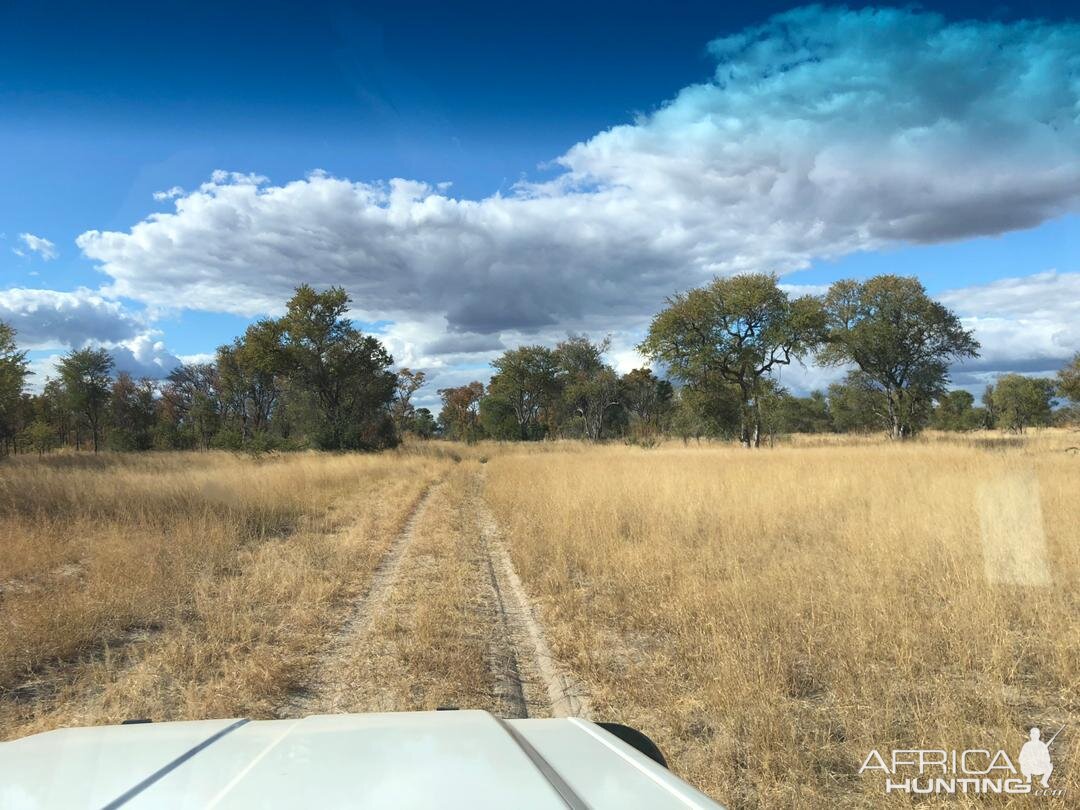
478	176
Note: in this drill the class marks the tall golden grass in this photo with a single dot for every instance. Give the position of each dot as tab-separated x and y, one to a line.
179	586
768	616
771	616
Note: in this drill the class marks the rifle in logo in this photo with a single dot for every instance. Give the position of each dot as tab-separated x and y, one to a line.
1035	757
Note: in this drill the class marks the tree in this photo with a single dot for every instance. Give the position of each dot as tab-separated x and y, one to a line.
788	414
902	341
460	415
526	382
1021	402
39	436
955	411
13	372
735	331
86	375
345	373
193	403
247	377
589	386
856	405
423	423
1068	380
408	383
132	413
646	397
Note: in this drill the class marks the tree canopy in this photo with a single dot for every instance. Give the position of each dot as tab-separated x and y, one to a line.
901	340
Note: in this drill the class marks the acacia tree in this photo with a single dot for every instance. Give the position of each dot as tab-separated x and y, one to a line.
526	380
13	372
901	340
734	332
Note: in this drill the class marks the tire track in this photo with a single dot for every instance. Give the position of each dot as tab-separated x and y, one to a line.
528	678
329	688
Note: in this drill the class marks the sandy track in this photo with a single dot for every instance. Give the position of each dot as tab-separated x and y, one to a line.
382	657
527	675
330	686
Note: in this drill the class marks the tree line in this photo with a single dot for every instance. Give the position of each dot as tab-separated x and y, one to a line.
311	379
724	345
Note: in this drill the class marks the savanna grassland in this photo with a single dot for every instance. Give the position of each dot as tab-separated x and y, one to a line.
767	616
770	617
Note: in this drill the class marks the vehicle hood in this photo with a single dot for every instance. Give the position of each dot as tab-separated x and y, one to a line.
446	759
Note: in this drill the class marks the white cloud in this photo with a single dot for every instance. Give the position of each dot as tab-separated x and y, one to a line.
822	132
1025	324
168	194
45	319
144	356
37	244
49	319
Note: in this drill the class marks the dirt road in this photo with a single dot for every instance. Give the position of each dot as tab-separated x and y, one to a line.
444	621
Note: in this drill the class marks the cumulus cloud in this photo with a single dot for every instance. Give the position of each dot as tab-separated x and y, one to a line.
49	319
36	244
46	319
1025	324
821	132
144	356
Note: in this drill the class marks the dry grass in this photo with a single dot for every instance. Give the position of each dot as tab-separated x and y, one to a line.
768	616
771	616
182	586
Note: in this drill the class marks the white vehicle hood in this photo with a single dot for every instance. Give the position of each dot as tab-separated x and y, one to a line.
451	759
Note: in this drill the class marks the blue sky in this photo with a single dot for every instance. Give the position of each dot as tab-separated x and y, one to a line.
598	156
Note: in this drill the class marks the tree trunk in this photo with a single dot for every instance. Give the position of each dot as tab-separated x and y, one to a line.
745	419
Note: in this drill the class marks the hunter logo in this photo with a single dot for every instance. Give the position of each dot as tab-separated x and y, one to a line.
975	771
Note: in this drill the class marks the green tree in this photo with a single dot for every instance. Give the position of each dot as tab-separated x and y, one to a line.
86	375
132	413
39	437
1068	380
345	372
1021	402
857	405
247	378
589	387
525	383
645	397
192	400
790	414
13	372
955	411
901	339
736	331
423	423
408	383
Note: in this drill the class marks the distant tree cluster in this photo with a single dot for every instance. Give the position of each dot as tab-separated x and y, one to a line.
307	379
311	379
